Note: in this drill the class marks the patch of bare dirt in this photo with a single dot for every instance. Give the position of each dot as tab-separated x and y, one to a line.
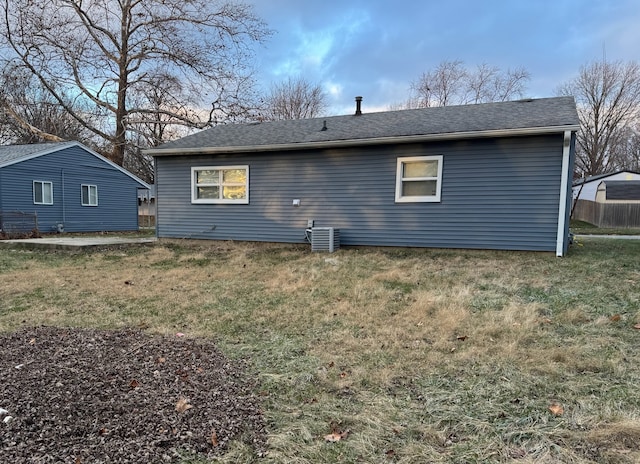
89	396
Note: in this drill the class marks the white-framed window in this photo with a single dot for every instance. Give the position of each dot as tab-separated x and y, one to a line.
220	184
419	179
42	192
89	194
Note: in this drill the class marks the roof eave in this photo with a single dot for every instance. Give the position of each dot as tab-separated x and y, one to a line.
363	142
63	145
52	149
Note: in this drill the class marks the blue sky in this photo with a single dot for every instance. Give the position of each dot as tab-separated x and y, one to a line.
375	48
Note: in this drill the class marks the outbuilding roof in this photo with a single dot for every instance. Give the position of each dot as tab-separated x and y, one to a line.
545	115
601	176
622	189
11	154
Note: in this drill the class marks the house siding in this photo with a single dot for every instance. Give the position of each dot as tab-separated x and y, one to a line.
68	169
496	193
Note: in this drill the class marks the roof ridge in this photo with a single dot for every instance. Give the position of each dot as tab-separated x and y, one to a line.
540	113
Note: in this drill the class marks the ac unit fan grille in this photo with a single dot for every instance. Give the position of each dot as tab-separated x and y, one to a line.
325	239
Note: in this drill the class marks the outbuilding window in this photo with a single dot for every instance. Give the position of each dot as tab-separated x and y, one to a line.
220	184
419	179
89	195
42	192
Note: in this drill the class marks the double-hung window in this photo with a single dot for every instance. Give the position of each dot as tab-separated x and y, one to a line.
42	192
419	179
220	184
89	195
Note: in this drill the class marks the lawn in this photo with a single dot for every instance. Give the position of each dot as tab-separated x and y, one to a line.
585	228
382	355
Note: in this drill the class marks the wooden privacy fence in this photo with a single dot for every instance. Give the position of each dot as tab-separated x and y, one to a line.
613	215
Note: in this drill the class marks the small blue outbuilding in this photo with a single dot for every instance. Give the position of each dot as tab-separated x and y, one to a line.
65	187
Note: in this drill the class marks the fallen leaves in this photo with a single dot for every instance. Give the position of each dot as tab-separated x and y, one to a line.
336	436
183	405
336	433
637	326
214	438
556	409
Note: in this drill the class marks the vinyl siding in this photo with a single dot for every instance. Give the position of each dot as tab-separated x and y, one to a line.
496	193
68	169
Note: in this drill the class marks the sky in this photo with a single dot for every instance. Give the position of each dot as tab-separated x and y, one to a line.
376	48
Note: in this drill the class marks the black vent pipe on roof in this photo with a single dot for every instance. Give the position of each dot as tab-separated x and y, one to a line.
358	106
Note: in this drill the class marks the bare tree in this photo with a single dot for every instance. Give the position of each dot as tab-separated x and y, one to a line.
439	86
627	148
490	84
451	83
29	114
108	54
608	98
294	99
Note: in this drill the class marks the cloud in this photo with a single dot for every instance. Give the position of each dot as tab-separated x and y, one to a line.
375	48
314	51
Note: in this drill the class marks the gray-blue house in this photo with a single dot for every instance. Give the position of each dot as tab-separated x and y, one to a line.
492	176
65	187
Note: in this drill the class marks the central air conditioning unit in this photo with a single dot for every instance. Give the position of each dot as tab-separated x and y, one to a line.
325	239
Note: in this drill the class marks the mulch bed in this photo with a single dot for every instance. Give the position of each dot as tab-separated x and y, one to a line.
90	396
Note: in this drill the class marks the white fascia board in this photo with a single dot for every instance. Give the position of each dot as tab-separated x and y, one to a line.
362	142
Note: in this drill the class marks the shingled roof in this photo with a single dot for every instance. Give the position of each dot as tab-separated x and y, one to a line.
622	189
516	117
10	154
601	176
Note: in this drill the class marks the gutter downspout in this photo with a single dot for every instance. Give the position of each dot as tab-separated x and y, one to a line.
64	209
564	185
155	181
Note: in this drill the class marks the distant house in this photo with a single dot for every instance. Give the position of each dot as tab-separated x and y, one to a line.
586	189
147	201
489	176
65	187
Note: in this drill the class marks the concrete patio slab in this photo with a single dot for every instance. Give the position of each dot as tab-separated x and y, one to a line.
75	242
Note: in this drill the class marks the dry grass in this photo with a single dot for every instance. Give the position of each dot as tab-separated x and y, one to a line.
421	355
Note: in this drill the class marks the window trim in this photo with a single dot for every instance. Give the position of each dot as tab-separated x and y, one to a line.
89	186
195	185
399	180
43	183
